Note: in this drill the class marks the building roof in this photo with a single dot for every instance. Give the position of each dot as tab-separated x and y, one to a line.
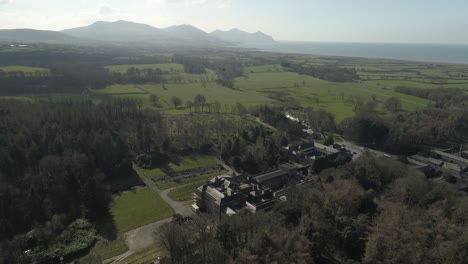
451	156
419	158
217	195
416	162
230	211
436	162
328	149
450	166
270	175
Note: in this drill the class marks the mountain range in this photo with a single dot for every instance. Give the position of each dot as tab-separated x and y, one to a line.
126	32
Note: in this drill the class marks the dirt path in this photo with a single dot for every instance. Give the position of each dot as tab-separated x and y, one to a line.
138	240
182	208
143	237
258	120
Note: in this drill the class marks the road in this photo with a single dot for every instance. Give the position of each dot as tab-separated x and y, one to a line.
355	149
258	120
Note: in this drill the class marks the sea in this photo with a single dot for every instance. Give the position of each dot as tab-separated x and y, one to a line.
437	53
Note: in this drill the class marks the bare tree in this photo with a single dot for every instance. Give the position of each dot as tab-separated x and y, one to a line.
176	101
393	104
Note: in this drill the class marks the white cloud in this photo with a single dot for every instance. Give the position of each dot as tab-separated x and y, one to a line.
5	2
192	3
224	3
106	10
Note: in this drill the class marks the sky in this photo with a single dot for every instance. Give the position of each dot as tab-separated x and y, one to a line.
391	21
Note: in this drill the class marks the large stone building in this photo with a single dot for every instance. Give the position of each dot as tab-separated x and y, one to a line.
226	195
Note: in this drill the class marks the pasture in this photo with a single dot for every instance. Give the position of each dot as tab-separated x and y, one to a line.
25	69
268	83
165	67
330	96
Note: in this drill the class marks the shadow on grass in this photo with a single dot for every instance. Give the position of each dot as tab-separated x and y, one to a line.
168	170
126	182
106	227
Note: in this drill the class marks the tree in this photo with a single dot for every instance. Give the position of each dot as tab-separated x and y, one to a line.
393	104
174	238
189	105
226	236
199	101
176	101
358	102
154	99
320	121
399	235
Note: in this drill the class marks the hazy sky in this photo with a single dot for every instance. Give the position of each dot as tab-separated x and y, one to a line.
440	21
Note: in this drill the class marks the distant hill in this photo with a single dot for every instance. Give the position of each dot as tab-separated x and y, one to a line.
191	33
120	31
32	35
239	36
125	32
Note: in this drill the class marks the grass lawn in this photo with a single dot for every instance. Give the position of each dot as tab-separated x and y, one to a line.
414	84
129	210
336	97
185	163
201	178
105	248
120	89
273	80
169	67
21	98
137	208
212	91
24	69
143	257
264	68
185	192
110	243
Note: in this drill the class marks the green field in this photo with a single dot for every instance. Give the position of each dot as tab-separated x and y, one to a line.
137	208
185	192
118	89
25	69
166	67
263	68
273	80
330	96
185	163
129	210
261	84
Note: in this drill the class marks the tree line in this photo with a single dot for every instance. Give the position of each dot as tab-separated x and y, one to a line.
439	97
324	72
61	164
444	120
